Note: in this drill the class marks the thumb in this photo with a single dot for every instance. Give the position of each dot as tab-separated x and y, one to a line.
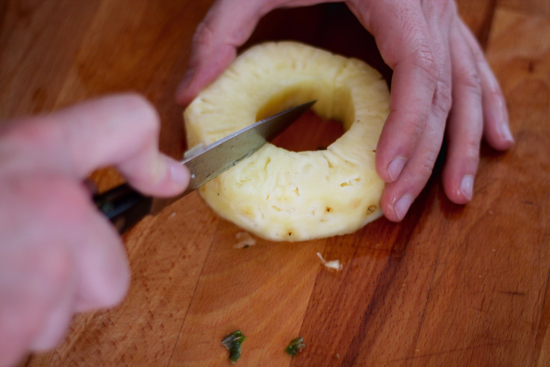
120	130
226	26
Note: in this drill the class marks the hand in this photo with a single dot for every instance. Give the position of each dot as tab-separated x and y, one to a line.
439	75
58	254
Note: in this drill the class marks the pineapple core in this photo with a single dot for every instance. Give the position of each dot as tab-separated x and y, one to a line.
281	195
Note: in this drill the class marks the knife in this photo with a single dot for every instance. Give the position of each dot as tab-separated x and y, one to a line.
124	206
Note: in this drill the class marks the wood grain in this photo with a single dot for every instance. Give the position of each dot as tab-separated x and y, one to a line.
537	8
478	15
528	93
38	44
450	285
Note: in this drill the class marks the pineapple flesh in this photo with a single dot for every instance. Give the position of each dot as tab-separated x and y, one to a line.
282	195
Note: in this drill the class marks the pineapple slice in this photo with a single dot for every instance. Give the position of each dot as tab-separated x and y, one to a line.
295	196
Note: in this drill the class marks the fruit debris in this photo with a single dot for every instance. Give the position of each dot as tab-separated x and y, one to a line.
333	264
295	346
244	239
233	343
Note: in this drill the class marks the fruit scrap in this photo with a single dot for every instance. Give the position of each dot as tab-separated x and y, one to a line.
233	344
333	264
245	240
296	346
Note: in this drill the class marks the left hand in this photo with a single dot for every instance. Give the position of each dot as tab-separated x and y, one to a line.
441	84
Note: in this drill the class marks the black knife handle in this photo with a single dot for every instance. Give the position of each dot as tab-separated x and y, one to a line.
123	206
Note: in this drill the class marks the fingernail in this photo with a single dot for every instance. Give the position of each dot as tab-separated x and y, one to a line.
395	167
402	206
505	131
179	173
467	186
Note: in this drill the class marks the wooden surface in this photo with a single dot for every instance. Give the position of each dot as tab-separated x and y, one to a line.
449	286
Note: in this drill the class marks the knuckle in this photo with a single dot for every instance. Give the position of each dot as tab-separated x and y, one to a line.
149	122
470	149
29	133
469	79
444	5
442	9
495	94
204	34
417	123
406	127
136	101
424	58
426	168
443	97
426	165
150	126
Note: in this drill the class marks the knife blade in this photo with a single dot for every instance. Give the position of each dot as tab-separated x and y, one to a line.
124	206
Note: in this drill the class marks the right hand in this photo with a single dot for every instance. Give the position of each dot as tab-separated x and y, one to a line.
58	254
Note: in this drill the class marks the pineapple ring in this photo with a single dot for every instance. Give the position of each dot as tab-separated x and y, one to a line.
295	196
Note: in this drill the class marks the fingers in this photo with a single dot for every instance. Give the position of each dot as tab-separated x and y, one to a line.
98	258
465	126
104	274
400	194
405	155
228	24
58	316
69	260
496	129
27	299
416	72
416	168
409	113
478	109
120	130
421	98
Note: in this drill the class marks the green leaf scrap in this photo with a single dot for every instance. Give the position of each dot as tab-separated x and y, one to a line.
233	344
296	346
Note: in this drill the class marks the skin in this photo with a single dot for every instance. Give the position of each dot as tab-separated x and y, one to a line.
442	87
58	255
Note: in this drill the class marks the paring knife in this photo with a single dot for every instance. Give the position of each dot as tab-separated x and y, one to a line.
125	206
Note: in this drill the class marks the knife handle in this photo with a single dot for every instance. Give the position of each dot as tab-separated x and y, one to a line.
123	206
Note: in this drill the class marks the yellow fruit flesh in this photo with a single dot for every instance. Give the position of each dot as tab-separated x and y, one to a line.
294	196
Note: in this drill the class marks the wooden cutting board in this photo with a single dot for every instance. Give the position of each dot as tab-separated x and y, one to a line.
450	285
